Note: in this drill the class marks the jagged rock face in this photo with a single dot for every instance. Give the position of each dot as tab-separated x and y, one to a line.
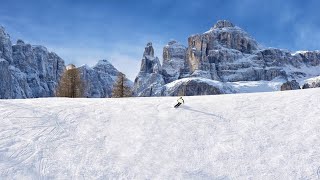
5	80
148	50
290	85
174	55
148	84
223	34
222	24
27	71
5	61
150	65
310	58
149	81
93	85
212	52
38	67
5	46
99	80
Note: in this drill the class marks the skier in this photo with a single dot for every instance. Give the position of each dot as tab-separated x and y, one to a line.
180	101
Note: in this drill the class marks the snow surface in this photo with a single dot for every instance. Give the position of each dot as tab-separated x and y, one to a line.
255	86
273	135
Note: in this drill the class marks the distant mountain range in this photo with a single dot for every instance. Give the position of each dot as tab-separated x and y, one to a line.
224	59
28	71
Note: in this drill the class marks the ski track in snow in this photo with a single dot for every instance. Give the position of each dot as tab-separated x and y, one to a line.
238	136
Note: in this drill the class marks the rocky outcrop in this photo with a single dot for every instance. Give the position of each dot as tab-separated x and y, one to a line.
312	83
149	81
174	55
220	52
93	86
227	53
5	61
223	24
5	80
196	86
148	50
5	46
36	71
290	85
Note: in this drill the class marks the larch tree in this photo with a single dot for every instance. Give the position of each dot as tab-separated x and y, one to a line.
71	84
121	87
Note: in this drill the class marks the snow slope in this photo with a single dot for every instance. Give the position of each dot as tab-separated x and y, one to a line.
256	86
273	135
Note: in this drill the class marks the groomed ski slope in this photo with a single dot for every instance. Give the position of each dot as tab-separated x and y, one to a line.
238	136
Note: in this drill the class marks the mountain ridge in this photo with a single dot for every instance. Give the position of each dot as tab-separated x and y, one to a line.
226	53
31	71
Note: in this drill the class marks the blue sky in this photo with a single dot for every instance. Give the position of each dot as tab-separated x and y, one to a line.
84	31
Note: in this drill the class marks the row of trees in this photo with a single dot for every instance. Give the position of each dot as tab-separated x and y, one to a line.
71	85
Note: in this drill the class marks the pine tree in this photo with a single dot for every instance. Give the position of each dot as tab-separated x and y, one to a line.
70	84
121	87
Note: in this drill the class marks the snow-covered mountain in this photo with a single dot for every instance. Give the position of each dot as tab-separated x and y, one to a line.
28	71
232	136
225	53
224	59
100	79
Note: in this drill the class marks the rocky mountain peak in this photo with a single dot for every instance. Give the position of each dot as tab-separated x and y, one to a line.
172	42
103	62
148	50
224	34
223	24
20	42
174	55
104	66
2	31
